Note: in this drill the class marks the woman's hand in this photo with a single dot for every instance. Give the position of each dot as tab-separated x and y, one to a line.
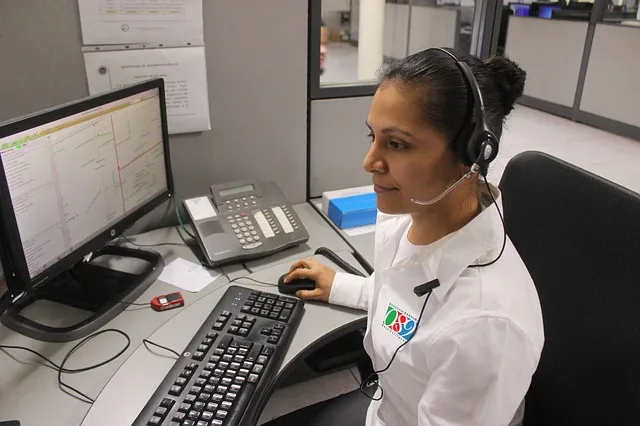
314	270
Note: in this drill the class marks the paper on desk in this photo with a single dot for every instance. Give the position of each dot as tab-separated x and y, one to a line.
141	21
184	72
360	230
187	275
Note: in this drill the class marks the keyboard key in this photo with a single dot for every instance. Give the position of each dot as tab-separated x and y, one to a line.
243	372
251	319
239	380
161	411
264	312
207	415
225	342
247	365
189	423
262	299
267	350
190	398
224	365
241	317
217	398
243	351
202	423
198	406
247	324
227	358
244	343
274	315
231	373
258	305
203	348
276	333
222	389
213	380
219	351
226	405
262	359
288	305
212	335
179	416
233	329
234	389
212	406
226	314
253	378
238	358
221	414
237	323
155	420
246	308
185	407
195	390
192	366
218	326
243	331
235	366
216	422
186	373
198	355
167	403
204	397
175	390
273	340
285	314
257	368
270	301
180	381
231	396
218	372
222	319
205	374
279	303
265	331
209	388
252	356
277	309
232	350
200	381
255	293
255	311
193	415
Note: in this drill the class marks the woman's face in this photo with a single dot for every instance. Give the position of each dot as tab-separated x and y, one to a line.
408	158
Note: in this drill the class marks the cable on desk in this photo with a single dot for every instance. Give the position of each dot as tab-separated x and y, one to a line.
150	245
61	369
147	341
244	265
254	280
184	227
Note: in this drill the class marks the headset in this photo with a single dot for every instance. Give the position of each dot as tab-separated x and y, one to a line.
476	146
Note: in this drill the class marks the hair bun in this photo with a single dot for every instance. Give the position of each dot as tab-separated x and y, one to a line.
510	78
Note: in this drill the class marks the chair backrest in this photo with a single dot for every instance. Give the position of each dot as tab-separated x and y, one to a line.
579	236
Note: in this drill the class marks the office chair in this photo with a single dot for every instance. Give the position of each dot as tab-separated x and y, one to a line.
579	236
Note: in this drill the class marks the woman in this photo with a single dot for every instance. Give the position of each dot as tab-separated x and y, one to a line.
480	334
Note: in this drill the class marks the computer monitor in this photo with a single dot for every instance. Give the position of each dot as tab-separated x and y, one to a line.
546	11
74	177
520	9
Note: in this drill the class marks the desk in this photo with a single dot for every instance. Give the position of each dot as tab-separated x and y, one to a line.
29	391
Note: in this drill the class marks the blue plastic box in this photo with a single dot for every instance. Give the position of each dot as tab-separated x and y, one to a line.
356	210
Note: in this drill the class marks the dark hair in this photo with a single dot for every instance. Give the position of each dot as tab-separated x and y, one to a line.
444	95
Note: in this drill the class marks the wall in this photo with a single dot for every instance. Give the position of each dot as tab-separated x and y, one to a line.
612	86
257	86
338	144
550	52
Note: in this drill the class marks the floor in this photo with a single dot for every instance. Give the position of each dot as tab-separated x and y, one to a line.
611	156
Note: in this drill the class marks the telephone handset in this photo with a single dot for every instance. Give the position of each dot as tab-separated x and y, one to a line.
244	220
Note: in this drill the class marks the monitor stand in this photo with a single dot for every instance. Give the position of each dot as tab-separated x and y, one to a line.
103	291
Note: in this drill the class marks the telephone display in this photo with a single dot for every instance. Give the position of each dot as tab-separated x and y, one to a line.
244	220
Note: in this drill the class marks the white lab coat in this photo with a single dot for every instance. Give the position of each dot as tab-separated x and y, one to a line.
480	337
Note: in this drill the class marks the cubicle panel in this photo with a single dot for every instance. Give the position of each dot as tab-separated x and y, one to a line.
612	84
433	27
338	144
257	87
550	51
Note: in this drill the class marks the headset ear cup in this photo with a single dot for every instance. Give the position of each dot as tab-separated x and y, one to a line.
483	148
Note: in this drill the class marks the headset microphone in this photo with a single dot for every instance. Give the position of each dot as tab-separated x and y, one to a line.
474	169
422	289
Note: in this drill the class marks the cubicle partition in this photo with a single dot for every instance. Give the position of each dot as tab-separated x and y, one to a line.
611	94
582	70
551	53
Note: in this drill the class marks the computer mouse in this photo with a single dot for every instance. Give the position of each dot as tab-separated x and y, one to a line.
294	285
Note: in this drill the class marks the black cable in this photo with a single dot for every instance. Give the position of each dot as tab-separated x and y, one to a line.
150	245
367	381
61	369
133	303
504	228
244	265
264	283
147	341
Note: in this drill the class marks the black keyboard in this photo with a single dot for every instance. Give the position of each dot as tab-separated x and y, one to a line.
229	364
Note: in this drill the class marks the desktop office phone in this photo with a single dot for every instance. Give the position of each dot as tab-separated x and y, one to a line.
247	220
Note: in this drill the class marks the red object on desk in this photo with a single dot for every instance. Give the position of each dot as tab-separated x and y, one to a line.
167	301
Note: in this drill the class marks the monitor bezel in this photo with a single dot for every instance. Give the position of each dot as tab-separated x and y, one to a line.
12	253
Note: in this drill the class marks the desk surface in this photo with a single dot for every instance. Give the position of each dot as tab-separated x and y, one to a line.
29	390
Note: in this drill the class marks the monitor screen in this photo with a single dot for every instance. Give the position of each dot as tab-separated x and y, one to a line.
72	178
547	11
520	9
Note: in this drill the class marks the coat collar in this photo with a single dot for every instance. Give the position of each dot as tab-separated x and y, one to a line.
478	242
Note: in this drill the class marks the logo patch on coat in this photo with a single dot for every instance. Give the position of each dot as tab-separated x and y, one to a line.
399	322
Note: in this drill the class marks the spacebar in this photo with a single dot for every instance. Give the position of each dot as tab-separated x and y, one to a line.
241	404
